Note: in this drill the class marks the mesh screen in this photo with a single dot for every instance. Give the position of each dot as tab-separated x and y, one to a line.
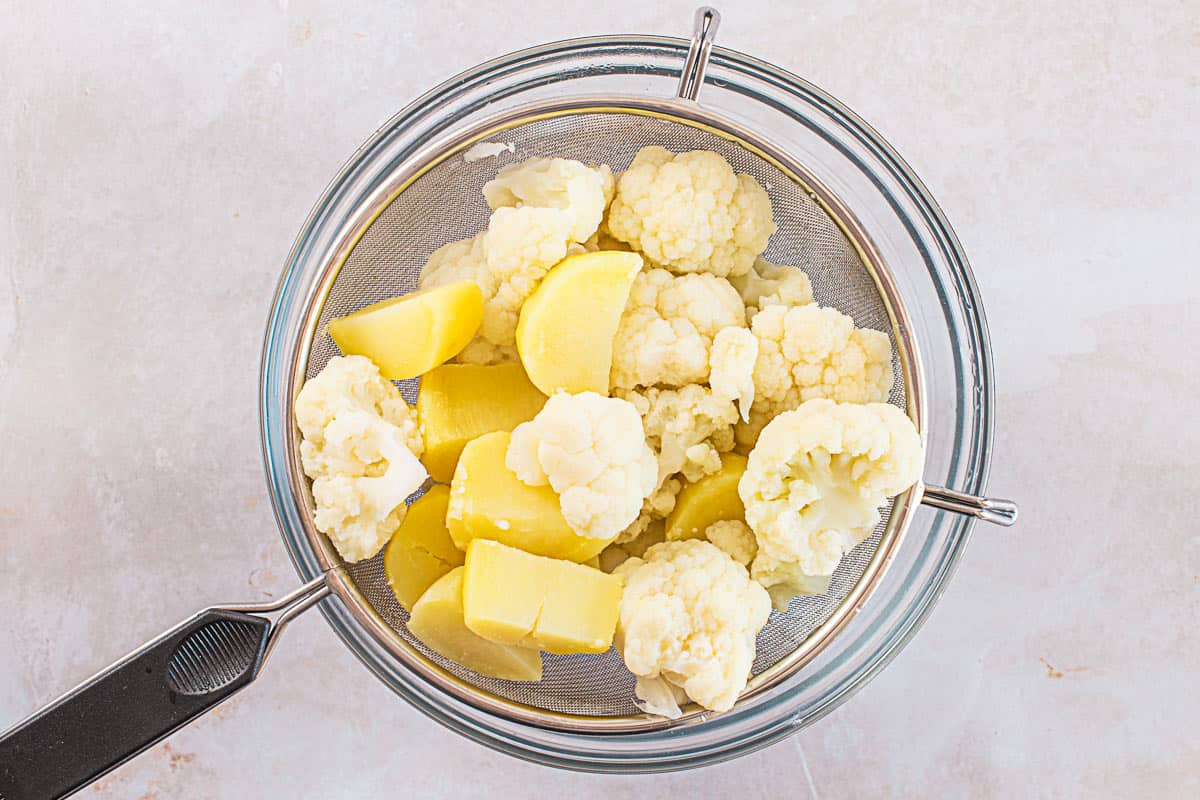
445	204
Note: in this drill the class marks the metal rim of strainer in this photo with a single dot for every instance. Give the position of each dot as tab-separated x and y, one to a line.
318	548
679	111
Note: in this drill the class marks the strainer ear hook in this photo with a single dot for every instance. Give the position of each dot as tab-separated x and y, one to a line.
704	31
987	509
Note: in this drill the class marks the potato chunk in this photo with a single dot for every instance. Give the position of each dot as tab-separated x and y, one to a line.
711	499
409	335
421	550
512	597
566	329
459	402
437	620
488	501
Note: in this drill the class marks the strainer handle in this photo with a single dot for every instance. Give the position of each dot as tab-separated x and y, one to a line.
987	509
143	698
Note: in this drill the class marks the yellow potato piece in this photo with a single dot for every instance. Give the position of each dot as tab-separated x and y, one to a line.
487	501
515	598
711	499
437	620
421	550
408	336
566	329
459	402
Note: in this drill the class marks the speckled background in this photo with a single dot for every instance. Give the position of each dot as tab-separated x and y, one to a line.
157	160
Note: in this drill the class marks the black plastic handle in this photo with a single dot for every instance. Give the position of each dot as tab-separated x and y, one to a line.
132	705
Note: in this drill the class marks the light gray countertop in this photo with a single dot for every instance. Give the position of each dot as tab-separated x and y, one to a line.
156	161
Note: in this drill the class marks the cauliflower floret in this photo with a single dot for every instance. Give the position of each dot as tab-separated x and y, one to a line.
770	284
783	581
689	614
349	383
817	477
543	209
809	352
522	245
464	260
731	367
735	539
592	451
688	428
691	212
359	513
667	329
572	186
360	447
655	508
660	697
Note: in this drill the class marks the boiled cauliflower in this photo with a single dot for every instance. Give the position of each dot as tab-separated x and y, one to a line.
592	451
731	367
349	383
785	580
768	284
582	192
688	428
690	614
543	209
464	260
522	245
659	697
360	447
735	539
691	212
817	477
667	329
359	513
655	508
808	352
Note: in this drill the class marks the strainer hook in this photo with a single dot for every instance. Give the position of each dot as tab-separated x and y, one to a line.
986	509
704	31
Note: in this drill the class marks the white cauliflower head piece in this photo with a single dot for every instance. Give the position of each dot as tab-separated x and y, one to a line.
349	383
522	245
784	580
768	284
666	331
360	512
581	191
592	451
655	509
731	367
690	614
464	260
734	538
688	428
360	447
810	352
816	479
691	212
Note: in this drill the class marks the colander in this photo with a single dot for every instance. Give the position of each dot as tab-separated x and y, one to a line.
848	211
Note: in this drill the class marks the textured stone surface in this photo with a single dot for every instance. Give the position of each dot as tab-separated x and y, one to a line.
158	160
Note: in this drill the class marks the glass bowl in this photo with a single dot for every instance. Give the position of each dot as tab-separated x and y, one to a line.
914	240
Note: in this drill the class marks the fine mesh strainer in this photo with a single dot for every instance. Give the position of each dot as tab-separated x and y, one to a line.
394	204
